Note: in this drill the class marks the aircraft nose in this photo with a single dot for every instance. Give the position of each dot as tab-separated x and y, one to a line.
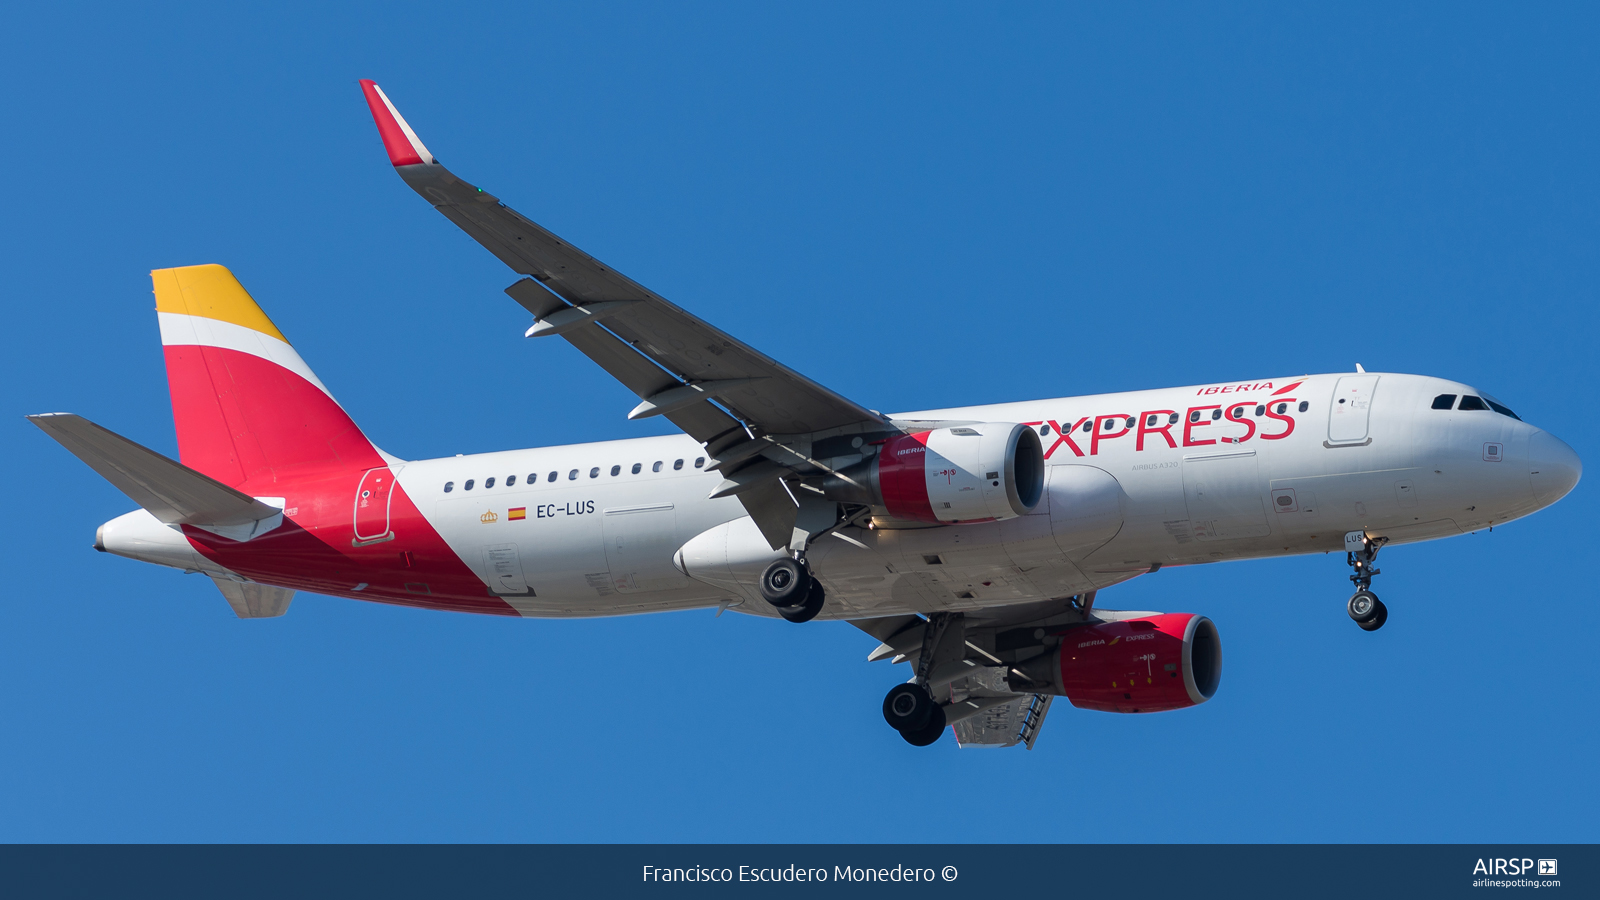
1555	467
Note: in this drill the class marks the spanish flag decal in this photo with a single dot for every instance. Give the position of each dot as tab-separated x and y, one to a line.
519	512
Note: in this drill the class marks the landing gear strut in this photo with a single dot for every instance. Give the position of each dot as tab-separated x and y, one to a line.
790	587
1361	552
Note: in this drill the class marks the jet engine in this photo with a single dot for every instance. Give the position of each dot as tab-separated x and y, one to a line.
1156	663
967	473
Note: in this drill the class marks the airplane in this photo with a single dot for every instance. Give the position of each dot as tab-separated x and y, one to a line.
971	542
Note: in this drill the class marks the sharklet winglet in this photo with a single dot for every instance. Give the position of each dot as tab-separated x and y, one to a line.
403	145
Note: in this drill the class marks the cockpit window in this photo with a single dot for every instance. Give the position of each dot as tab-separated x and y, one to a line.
1444	401
1470	402
1500	408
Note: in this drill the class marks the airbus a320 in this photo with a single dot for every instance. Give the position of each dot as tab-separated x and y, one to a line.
971	542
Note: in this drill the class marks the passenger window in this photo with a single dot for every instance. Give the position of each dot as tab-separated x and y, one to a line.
1172	419
1261	410
573	475
1470	402
637	467
511	480
1044	429
467	486
1444	401
594	472
1304	405
656	467
488	483
615	471
449	486
699	461
1216	414
1130	422
1194	416
1284	406
533	478
553	476
1149	421
677	464
1087	427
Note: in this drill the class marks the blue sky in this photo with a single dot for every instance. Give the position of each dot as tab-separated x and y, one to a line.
919	206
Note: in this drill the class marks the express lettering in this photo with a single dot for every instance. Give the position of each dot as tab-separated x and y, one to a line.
1154	424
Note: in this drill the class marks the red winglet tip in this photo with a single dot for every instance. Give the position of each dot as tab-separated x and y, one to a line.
402	145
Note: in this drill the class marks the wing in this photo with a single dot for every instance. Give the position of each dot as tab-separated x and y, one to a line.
673	360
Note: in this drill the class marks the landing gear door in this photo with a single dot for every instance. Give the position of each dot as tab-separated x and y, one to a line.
640	541
1223	492
1351	408
372	507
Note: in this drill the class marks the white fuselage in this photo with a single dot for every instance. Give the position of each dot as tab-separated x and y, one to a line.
1237	476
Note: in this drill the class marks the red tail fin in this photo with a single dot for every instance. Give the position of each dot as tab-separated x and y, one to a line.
248	409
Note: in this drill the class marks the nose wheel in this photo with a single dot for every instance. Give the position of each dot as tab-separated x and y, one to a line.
1367	610
1361	552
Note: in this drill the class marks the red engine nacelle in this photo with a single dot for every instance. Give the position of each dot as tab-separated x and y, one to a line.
966	473
1156	663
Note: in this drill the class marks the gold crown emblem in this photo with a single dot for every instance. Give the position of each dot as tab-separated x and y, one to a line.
488	517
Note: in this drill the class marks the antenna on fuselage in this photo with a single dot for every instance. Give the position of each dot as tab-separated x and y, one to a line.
1359	369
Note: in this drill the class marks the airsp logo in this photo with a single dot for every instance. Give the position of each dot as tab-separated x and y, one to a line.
1547	867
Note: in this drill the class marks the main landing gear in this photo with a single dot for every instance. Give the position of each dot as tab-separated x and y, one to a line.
910	708
1361	551
790	587
913	712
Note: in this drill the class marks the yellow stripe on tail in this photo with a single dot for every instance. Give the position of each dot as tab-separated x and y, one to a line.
210	292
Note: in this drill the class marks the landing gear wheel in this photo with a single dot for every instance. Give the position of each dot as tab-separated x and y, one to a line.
786	584
1378	618
808	610
928	733
1363	606
909	707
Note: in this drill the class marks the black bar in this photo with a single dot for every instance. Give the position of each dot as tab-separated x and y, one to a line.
980	871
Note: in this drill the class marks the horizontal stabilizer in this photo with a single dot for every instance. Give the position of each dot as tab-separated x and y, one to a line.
172	492
255	601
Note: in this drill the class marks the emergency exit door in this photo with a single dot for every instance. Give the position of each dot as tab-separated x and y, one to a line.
1351	409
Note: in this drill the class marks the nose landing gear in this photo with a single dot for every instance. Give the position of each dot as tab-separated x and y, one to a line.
1361	551
1367	610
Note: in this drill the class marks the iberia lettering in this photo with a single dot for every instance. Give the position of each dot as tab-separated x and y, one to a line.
1232	388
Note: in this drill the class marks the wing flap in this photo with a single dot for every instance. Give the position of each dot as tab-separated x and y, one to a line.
987	714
